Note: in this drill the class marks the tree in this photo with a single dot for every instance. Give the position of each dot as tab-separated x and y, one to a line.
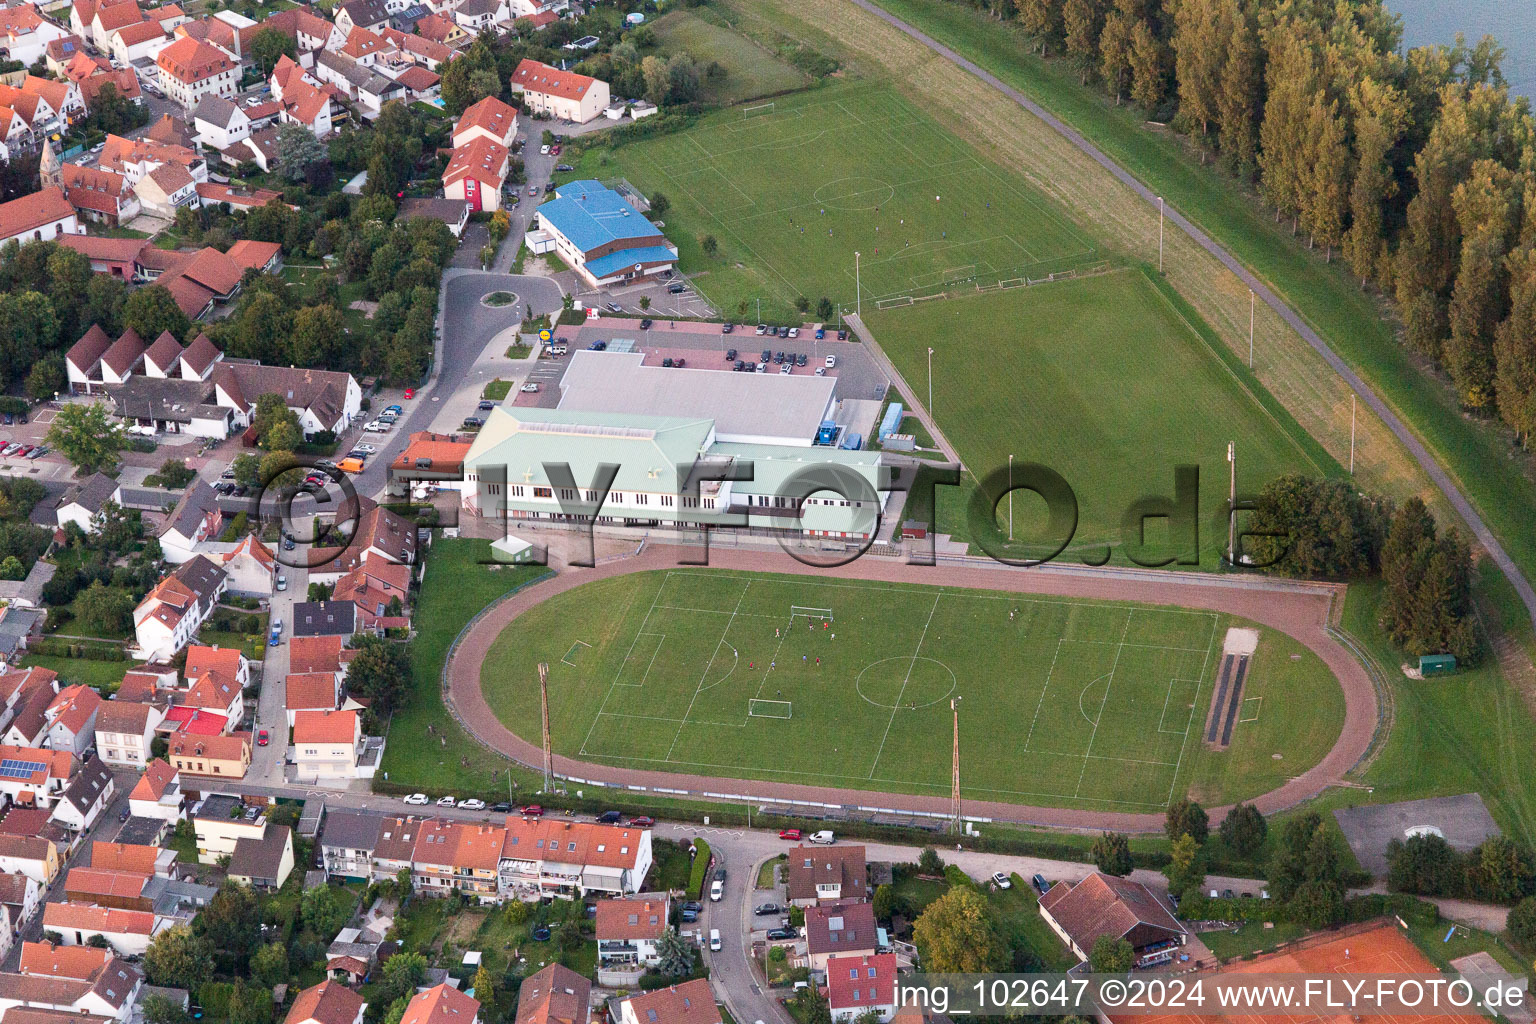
402	973
1184	872
247	469
1514	349
1522	923
1304	526
103	610
268	46
710	245
178	959
159	1009
152	310
270	964
1082	23
249	1005
660	204
1111	955
319	335
1148	73
1287	869
1115	54
884	902
379	671
396	1012
1237	99
271	411
232	920
676	955
175	474
47	378
1500	870
297	149
485	987
1425	865
824	309
1426	608
929	862
1112	853
84	435
1187	818
955	934
324	910
1244	829
645	302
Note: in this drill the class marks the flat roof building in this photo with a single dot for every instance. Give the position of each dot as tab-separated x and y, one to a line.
603	238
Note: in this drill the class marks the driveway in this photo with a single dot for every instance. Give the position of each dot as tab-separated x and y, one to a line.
271	706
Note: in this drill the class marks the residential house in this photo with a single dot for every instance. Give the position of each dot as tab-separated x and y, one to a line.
83	502
859	985
490	119
457	856
109	992
32	856
157	794
251	567
136	857
820	874
110	887
221	757
629	930
329	1002
127	932
195	519
221	821
88	367
86	797
42	215
476	172
33	777
396	846
452	212
166	189
125	732
365	14
28	693
97	195
422	85
564	858
324	618
559	94
692	1002
319	654
554	995
71	718
25	33
326	744
263	863
347	843
169	616
441	1004
476	16
191	69
219	123
317	692
21	897
843	928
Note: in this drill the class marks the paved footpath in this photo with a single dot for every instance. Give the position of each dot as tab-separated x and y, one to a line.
1400	430
1301	611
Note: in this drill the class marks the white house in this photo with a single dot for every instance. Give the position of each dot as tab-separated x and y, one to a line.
125	732
86	797
25	33
692	1002
220	123
128	932
629	930
561	94
168	617
37	777
326	744
250	565
157	794
191	69
84	501
71	719
195	518
46	214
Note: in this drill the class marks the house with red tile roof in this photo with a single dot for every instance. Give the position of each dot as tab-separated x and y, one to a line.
692	1002
857	985
127	932
110	887
843	928
26	34
441	1004
326	744
311	691
1106	905
170	614
191	69
99	196
71	718
329	1002
43	215
38	777
554	995
211	757
490	119
559	857
462	856
629	931
476	172
157	794
562	94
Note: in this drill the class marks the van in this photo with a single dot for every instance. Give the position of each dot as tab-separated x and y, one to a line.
716	891
350	465
714	940
822	838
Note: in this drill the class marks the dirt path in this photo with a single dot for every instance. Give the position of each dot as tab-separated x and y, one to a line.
1301	611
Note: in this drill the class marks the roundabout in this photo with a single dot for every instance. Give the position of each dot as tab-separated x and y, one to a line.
654	705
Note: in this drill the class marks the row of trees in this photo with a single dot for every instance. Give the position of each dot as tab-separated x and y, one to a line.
1418	166
1311	527
1497	870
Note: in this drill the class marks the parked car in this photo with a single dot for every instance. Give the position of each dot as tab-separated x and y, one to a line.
727	328
615	307
263	738
762	328
554	150
39	452
677	288
532	811
473	423
644	821
410	393
716	891
645	324
473	805
821	332
544	150
382	426
689	916
714	940
693	905
446	801
1002	881
794	332
792	834
365	449
609	817
394	409
502	808
822	838
564	167
533	190
529	388
730	355
417	800
780	934
1040	884
282	582
486	405
764	909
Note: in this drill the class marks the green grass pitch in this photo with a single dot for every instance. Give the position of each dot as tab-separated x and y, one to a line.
1106	381
1064	702
791	190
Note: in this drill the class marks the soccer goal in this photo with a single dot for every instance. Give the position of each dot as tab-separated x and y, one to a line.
797	610
757	110
757	708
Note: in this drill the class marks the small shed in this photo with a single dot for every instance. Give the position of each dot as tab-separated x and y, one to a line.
1431	665
914	529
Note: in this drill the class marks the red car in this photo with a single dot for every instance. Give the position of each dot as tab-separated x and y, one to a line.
410	392
262	739
554	150
532	811
644	821
790	833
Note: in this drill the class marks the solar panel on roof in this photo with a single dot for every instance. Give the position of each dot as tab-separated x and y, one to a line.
11	768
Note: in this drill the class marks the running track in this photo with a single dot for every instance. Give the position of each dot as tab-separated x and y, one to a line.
1301	612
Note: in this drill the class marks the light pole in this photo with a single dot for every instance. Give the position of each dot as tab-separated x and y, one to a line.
1351	433
1250	328
930	380
1159	234
858	293
1010	497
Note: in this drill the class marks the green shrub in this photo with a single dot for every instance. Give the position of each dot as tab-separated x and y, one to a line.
699	869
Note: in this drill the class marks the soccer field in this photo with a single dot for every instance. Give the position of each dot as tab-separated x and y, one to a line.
847	683
792	187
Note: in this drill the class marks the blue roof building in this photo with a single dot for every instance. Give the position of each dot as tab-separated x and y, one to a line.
604	239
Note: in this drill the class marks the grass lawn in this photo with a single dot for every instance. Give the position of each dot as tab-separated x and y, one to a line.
672	866
767	872
427	749
1477	454
104	676
1017	915
1252	937
496	390
1105	380
790	193
518	351
750	69
1089	704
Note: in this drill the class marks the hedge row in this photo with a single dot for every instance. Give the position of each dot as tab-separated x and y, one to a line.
698	869
54	647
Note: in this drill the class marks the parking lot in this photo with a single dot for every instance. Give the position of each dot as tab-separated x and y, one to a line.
663	301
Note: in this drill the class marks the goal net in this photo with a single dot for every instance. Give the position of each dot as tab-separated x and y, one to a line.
757	110
757	708
797	610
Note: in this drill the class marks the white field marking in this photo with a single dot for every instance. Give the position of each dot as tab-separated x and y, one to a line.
1195	728
724	633
1107	686
908	678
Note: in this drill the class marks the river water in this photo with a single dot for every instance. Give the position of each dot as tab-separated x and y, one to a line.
1512	22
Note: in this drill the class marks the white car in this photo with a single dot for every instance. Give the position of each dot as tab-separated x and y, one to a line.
282	582
716	891
472	805
1002	881
822	838
417	799
380	427
831	362
544	151
794	332
366	449
529	388
714	940
446	801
